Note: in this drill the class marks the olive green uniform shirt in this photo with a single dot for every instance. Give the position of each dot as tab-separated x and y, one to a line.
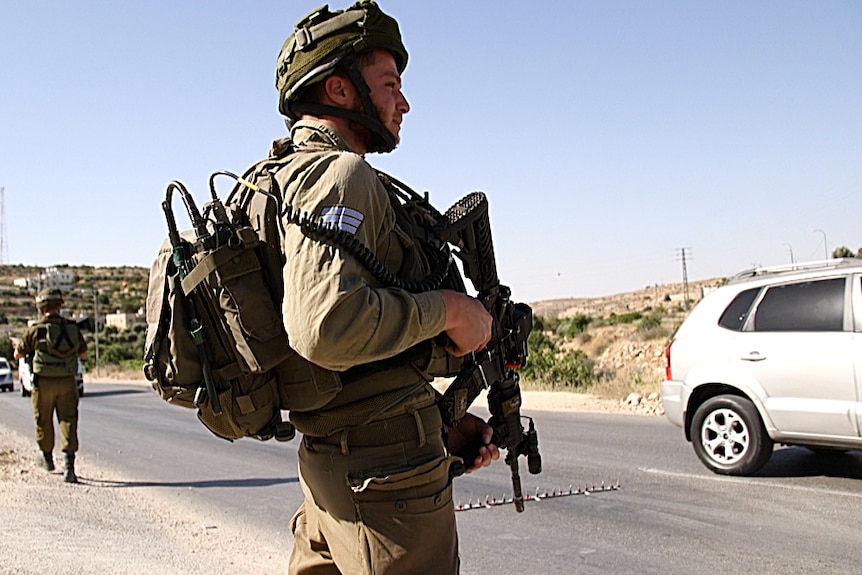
337	315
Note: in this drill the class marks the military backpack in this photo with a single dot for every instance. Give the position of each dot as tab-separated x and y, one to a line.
215	338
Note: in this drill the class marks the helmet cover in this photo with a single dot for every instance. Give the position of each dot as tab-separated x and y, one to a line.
322	39
49	296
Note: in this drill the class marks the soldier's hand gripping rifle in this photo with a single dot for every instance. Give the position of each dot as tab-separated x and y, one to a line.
469	229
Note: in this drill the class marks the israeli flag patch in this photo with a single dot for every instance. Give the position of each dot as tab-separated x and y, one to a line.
341	218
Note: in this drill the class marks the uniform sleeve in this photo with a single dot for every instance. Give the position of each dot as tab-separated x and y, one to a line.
82	344
26	345
336	314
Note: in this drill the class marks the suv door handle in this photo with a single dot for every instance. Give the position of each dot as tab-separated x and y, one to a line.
753	356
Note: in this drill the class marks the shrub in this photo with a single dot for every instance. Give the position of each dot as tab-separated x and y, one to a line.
628	317
573	326
547	366
649	322
650	326
115	353
6	348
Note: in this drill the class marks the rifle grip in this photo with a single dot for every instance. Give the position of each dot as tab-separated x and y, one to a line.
470	452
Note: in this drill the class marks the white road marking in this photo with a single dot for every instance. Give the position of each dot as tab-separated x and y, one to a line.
744	481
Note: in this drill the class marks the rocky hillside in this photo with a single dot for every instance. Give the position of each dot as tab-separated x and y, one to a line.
667	295
629	360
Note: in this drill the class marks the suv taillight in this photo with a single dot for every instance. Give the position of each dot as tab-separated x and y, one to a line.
667	372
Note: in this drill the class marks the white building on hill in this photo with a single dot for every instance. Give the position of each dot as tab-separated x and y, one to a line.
50	278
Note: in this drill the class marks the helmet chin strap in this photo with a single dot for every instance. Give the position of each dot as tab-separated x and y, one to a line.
383	139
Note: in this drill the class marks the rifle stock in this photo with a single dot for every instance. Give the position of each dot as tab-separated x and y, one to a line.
468	228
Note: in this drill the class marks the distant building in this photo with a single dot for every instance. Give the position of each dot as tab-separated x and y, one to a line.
84	315
50	278
122	321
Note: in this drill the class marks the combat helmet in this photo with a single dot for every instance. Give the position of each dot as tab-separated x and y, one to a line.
49	296
324	40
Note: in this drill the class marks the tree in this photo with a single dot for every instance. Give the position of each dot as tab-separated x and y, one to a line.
842	252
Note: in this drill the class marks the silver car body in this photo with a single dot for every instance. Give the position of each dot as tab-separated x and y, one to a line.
806	385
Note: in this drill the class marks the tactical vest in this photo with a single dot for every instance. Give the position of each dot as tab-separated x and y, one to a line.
56	348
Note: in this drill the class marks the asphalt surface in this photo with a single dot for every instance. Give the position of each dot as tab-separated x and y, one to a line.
800	514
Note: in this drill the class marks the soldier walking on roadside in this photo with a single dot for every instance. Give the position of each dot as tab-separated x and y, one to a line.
54	344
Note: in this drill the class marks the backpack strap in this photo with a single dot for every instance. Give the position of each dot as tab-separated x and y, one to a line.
64	335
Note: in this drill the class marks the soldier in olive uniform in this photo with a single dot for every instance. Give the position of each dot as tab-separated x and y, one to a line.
376	463
54	344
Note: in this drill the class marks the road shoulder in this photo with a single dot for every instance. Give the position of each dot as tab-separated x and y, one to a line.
105	526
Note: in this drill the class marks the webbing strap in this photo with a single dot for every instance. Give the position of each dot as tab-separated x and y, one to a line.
305	36
63	335
212	261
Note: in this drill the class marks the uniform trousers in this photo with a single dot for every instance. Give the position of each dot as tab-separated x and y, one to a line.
381	510
58	394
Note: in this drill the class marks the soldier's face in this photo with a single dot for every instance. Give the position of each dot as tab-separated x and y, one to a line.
385	82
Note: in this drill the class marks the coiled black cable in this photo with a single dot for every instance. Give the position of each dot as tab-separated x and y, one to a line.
443	270
335	236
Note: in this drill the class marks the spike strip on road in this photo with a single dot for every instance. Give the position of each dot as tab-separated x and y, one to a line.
490	501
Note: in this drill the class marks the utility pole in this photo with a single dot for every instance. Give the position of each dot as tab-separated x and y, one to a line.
825	248
685	276
96	325
790	248
4	249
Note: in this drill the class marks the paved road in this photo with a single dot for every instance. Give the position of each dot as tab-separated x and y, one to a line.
801	514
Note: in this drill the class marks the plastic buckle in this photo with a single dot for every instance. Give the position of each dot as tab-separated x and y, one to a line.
302	38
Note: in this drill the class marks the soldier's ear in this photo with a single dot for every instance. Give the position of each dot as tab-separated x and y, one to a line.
339	90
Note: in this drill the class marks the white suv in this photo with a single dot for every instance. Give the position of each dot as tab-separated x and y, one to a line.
773	356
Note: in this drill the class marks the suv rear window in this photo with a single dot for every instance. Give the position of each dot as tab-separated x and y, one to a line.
807	306
735	314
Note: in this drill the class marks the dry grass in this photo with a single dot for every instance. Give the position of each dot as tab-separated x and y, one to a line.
628	380
115	373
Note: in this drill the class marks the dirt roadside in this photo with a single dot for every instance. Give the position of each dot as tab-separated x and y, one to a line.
96	528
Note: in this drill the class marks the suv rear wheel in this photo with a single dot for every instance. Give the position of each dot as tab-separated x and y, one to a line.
729	437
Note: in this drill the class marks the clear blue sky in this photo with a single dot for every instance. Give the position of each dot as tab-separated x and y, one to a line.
609	135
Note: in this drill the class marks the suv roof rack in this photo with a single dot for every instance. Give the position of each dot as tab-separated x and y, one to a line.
834	263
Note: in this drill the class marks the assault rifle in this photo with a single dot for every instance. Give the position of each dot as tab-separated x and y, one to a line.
468	227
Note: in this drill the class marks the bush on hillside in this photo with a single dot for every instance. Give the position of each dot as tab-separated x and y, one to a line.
549	367
573	326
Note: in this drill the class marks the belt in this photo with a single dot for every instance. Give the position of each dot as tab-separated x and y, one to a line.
415	426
